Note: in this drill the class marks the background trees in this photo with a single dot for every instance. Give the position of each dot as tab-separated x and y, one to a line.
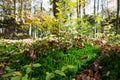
26	16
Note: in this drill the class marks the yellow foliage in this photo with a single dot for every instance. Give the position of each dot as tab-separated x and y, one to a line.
82	2
99	35
98	19
1	65
72	4
17	22
107	28
17	73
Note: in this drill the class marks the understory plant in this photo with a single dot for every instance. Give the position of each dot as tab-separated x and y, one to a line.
49	56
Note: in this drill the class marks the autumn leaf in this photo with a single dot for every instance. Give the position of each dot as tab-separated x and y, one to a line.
83	57
17	73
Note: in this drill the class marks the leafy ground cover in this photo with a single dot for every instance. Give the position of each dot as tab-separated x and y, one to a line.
105	66
77	59
44	59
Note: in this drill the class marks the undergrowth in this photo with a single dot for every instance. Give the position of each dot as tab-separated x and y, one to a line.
50	57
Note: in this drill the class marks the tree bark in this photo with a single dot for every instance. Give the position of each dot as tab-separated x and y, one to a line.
94	7
117	16
98	6
78	8
14	2
84	8
102	13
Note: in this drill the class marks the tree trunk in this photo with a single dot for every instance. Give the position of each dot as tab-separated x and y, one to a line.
94	29
94	7
78	8
14	2
30	26
102	13
84	7
30	30
41	5
98	6
117	16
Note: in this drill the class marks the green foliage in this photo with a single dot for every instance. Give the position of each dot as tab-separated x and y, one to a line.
57	61
106	66
16	75
114	39
61	73
59	49
49	76
111	67
15	78
97	19
36	65
58	72
49	58
85	26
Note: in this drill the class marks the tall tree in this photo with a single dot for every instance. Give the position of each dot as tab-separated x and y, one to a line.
102	13
98	6
84	3
78	8
94	7
117	17
14	3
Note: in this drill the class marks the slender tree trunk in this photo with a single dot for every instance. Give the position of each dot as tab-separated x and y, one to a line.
102	13
98	6
117	17
25	11
30	30
14	2
78	8
102	7
84	7
41	5
30	26
94	30
94	7
15	15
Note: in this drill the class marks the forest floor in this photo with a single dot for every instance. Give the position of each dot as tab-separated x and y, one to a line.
104	67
